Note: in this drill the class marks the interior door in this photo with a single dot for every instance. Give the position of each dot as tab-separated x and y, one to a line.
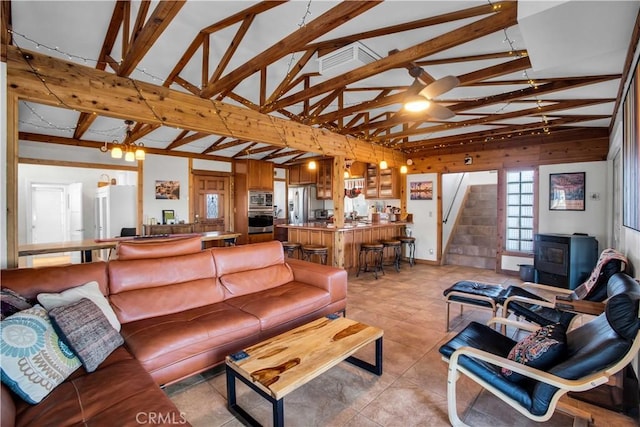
211	201
48	213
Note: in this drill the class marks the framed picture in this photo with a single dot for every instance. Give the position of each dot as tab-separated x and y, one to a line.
421	190
168	216
566	191
169	190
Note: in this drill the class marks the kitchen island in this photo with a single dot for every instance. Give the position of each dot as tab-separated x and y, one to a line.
343	242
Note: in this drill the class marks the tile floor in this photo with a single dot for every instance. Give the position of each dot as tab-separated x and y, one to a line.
409	306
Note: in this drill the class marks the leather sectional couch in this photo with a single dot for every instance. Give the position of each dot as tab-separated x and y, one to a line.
182	310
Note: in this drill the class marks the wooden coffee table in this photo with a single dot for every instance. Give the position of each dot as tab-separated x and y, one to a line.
278	366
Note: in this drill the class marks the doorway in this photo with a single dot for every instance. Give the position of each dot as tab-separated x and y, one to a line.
55	215
211	198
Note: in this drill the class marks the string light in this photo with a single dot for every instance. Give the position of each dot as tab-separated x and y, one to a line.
303	23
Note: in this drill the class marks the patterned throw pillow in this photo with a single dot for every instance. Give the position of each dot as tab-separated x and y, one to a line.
87	331
34	359
541	350
89	290
12	302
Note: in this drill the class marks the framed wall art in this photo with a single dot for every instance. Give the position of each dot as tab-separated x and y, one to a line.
421	190
169	190
566	191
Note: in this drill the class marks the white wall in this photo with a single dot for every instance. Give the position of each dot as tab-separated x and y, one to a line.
425	218
165	168
593	220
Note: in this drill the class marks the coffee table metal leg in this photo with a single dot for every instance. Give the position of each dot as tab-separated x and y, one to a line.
235	409
377	368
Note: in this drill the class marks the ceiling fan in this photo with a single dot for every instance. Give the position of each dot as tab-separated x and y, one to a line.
419	95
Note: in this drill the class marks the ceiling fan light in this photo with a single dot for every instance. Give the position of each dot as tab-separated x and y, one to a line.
116	153
416	103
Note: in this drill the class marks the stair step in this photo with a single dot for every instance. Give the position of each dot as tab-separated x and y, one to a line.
472	250
471	261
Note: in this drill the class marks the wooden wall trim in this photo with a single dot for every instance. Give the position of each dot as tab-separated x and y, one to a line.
72	164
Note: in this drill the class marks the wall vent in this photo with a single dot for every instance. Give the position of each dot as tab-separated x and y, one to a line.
354	55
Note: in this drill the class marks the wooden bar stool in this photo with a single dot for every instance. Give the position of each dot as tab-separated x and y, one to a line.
410	243
376	251
291	248
396	248
309	250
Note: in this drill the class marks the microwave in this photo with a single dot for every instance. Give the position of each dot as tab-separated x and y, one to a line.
261	200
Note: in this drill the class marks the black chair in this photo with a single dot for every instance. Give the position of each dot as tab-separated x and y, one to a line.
594	352
128	232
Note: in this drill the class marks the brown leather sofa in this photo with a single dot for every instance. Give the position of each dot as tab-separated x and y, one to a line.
182	311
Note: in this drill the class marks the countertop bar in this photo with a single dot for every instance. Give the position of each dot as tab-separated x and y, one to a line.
346	227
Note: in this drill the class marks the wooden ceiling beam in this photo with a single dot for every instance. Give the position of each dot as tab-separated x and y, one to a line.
336	16
183	139
504	17
159	20
27	136
564	105
86	89
140	20
496	55
217	142
233	46
285	84
6	37
283	154
229	144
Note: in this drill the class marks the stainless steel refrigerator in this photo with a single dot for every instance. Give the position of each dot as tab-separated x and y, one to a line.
298	200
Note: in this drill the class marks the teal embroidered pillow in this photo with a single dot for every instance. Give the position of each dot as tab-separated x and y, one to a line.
34	358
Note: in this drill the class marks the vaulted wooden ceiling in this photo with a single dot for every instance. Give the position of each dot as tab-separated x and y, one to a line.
263	56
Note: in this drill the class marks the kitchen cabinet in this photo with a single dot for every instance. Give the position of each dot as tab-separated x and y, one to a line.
381	183
301	174
259	174
324	180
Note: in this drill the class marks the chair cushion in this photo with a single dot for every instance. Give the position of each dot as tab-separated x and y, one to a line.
621	313
87	331
540	349
34	358
474	288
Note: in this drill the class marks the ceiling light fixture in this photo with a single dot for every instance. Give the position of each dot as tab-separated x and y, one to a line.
312	165
403	169
132	151
383	164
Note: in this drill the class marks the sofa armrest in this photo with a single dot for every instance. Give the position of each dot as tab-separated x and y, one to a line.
331	279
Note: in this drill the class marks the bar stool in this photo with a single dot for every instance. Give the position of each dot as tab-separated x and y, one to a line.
396	247
410	243
309	250
291	247
376	251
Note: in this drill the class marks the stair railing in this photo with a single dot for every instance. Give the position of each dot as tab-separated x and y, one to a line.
455	195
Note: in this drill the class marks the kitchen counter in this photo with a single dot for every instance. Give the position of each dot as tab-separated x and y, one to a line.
343	242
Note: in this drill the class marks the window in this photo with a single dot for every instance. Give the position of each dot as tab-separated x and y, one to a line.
520	208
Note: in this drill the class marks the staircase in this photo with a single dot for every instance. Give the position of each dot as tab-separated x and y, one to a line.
474	238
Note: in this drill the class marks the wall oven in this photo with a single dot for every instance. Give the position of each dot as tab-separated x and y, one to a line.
260	200
260	221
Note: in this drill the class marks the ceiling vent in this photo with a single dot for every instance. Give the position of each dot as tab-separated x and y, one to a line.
354	55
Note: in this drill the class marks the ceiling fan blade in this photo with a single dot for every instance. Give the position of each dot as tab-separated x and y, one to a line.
439	112
415	87
439	87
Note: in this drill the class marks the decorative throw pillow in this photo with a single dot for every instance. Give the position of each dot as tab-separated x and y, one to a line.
34	358
87	331
541	350
90	291
12	302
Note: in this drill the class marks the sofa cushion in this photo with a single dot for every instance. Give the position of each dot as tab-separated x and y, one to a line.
12	302
118	393
90	291
87	331
279	305
154	248
252	281
147	288
34	358
161	341
540	349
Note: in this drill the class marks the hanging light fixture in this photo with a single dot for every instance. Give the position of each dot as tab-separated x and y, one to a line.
383	164
312	165
403	169
132	151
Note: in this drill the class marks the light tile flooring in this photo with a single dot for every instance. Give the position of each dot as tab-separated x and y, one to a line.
409	306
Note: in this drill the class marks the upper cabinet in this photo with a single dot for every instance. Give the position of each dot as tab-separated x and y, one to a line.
381	184
324	182
301	174
259	174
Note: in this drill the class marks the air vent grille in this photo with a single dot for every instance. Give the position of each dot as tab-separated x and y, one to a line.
354	55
